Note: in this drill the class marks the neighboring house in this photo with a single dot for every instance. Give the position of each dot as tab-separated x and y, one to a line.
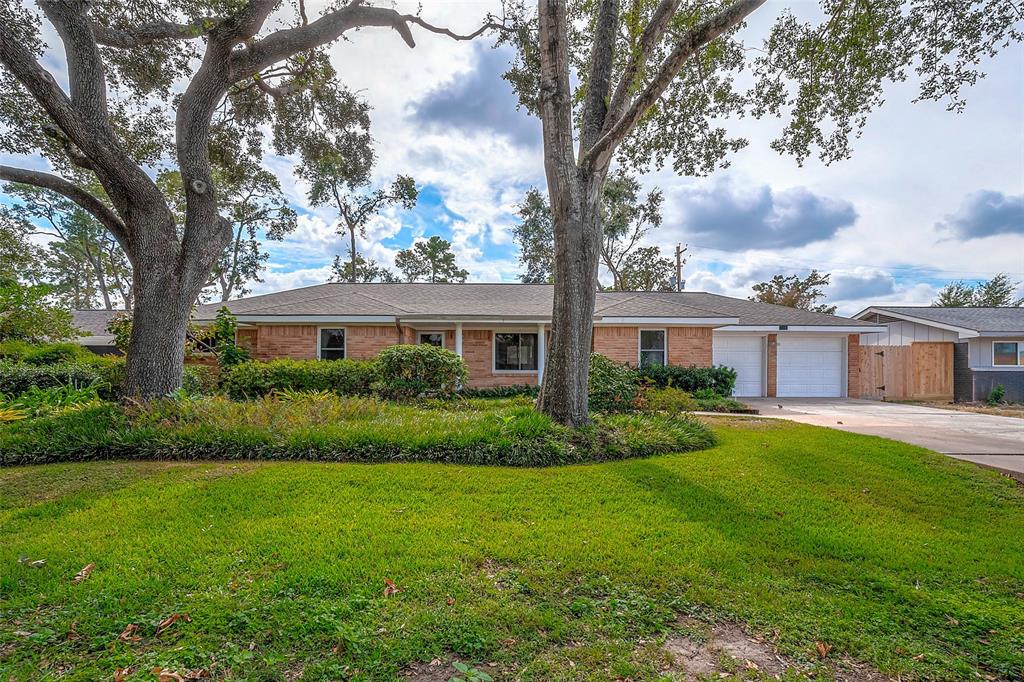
950	353
503	330
94	324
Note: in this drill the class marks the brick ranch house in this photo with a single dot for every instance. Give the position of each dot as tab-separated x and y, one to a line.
502	332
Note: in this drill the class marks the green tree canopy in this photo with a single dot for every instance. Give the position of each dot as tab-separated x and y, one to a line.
431	261
795	291
997	292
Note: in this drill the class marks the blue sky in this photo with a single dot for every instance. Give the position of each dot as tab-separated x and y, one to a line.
928	196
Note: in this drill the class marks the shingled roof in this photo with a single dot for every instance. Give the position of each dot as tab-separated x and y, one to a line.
505	301
984	321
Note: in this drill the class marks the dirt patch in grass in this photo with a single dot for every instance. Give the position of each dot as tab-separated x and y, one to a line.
726	649
435	671
743	423
1015	410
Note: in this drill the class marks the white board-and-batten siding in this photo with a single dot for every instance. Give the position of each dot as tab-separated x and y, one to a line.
904	333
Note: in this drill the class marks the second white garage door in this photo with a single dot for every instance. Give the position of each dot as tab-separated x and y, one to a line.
810	367
745	354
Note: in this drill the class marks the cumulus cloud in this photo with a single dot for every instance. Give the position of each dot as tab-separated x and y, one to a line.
479	101
861	283
724	217
986	213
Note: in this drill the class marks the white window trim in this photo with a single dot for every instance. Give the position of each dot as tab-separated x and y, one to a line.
494	353
421	332
319	347
992	350
640	347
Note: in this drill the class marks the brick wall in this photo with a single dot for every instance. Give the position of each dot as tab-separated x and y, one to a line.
853	366
293	341
689	346
620	344
772	366
363	343
478	353
246	338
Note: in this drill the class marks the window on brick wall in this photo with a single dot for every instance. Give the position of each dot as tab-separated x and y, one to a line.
332	344
515	352
652	347
432	339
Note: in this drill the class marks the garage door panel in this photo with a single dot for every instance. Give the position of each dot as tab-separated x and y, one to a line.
745	355
810	367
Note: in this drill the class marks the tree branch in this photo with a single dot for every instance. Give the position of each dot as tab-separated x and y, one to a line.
88	83
145	34
602	57
648	40
282	44
689	43
80	196
555	97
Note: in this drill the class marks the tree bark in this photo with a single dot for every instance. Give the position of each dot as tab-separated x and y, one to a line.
564	395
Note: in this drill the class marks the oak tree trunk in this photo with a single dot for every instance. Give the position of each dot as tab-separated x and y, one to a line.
577	228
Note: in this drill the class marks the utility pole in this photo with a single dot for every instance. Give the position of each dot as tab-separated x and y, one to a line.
680	250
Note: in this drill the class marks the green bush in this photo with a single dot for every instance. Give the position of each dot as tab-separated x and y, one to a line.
37	401
613	387
997	395
501	391
721	380
106	372
254	379
332	428
407	371
43	353
669	399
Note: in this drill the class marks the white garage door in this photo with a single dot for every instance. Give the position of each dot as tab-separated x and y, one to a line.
745	355
810	367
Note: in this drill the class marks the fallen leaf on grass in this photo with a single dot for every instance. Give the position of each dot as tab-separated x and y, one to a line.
38	563
952	621
168	675
73	633
390	588
128	634
822	648
171	620
83	574
121	673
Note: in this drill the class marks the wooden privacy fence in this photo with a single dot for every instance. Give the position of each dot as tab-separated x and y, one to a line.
920	371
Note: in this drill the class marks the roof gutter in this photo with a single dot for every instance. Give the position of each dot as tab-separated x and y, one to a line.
964	332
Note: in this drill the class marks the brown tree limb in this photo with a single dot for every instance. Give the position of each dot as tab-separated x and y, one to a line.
599	79
66	188
145	34
651	36
690	42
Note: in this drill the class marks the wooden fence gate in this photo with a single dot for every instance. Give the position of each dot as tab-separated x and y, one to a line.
920	371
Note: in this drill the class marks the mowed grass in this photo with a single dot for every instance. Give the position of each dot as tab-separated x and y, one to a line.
894	556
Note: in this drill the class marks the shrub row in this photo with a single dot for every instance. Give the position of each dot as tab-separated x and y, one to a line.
329	428
104	372
17	352
692	379
256	379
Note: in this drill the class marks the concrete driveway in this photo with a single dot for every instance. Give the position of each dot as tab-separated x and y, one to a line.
997	442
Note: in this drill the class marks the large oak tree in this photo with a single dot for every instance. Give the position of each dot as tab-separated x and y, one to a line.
656	82
179	84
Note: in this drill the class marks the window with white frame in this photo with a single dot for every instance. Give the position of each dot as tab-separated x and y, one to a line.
332	344
1007	354
432	339
652	347
515	352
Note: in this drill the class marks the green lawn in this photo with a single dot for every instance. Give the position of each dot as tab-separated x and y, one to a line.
895	556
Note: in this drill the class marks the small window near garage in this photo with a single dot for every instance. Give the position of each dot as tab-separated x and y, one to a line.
652	347
432	339
1007	354
515	352
332	344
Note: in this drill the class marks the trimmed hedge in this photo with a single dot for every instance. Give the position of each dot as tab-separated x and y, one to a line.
256	379
43	353
501	391
721	380
408	371
612	386
328	428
